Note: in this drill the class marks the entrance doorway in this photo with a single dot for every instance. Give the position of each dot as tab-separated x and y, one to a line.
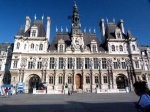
78	81
34	83
121	82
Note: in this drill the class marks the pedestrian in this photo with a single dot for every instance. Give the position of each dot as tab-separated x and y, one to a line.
143	105
9	92
6	92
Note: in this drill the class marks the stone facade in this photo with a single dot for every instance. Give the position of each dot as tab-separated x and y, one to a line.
77	59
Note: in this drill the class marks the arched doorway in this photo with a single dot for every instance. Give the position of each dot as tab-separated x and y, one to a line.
78	81
121	82
34	83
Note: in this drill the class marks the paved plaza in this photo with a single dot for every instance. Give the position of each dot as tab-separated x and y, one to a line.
87	102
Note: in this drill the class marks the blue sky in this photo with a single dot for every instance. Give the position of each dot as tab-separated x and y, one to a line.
135	13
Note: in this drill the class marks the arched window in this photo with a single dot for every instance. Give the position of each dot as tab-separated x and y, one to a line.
94	48
119	35
51	80
32	46
41	47
33	33
69	79
61	48
25	46
113	48
121	48
18	45
60	80
133	47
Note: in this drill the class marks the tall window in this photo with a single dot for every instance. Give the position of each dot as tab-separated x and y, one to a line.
30	65
136	64
78	63
51	64
121	48
104	65
123	65
41	47
15	64
69	79
32	46
61	63
115	65
39	65
133	47
94	48
69	63
96	79
116	48
87	65
95	63
60	80
51	80
18	45
113	48
25	46
0	67
33	33
87	79
105	79
61	48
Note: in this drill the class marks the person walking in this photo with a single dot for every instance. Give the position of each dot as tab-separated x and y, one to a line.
143	105
6	92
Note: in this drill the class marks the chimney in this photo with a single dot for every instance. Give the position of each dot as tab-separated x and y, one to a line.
102	27
48	28
120	25
28	21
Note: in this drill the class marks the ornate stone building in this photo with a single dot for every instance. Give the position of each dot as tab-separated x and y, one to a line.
77	59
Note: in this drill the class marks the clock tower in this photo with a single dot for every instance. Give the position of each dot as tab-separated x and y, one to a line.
76	33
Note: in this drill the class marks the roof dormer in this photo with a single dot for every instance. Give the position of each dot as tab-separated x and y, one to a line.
93	46
34	31
61	45
118	33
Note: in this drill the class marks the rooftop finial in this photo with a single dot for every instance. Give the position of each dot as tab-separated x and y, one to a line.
66	29
94	30
106	20
61	29
84	30
56	29
42	17
114	20
35	17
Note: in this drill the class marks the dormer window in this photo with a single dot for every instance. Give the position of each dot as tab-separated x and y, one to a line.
118	34
121	48
94	48
41	47
33	33
133	47
61	48
18	45
113	48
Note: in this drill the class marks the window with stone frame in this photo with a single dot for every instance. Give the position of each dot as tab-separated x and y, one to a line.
116	65
78	63
113	48
69	79
96	79
32	46
133	47
61	63
123	65
119	35
15	63
95	63
51	80
104	63
121	48
60	48
41	47
33	33
18	45
30	65
39	65
87	63
60	80
117	48
69	63
136	64
87	79
105	79
25	46
52	63
94	48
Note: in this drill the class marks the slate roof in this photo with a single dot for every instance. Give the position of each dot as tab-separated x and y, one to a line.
41	29
110	31
87	38
4	46
143	48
